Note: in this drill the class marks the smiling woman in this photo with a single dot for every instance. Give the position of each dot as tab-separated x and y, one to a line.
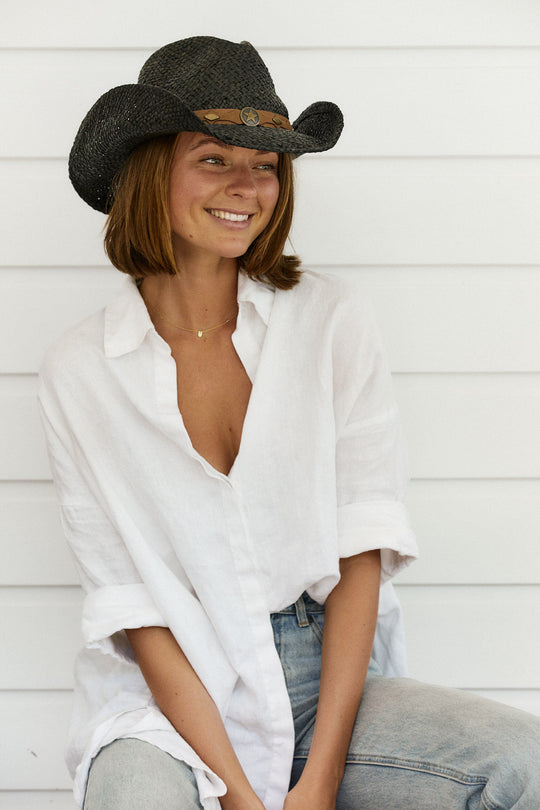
226	449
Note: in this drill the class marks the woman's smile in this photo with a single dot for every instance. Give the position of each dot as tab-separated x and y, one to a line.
230	216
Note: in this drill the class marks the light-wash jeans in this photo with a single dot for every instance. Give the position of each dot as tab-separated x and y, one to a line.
414	747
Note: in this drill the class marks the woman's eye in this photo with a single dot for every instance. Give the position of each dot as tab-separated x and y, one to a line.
214	160
268	167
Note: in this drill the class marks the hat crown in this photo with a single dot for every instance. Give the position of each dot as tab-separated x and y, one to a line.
211	73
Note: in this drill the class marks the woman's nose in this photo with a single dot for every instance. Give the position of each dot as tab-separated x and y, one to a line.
241	182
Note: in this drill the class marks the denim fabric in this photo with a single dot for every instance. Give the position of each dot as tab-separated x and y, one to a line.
414	747
134	775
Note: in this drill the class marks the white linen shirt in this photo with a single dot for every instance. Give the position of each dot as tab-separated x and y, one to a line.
162	538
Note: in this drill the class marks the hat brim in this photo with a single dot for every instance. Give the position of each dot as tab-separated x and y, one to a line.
131	114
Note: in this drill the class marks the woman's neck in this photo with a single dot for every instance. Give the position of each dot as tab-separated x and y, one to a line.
196	298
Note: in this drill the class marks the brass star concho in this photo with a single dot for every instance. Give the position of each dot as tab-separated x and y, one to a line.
250	117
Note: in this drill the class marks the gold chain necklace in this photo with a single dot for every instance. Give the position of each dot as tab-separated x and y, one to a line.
199	332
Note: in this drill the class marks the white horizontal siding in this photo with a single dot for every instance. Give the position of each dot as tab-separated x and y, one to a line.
304	23
471	426
37	800
415	211
456	319
22	447
526	700
34	720
465	636
33	548
41	629
51	300
475	532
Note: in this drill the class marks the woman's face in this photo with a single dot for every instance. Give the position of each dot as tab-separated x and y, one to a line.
220	197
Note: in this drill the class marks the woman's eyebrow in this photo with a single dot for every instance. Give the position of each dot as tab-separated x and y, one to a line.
209	141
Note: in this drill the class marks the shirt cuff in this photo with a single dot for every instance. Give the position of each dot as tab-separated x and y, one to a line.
110	610
377	524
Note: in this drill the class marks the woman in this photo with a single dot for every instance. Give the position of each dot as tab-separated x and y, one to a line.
226	450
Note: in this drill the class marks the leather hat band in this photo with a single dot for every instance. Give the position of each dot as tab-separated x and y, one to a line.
247	116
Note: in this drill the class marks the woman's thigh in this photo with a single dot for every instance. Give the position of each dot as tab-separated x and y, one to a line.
134	775
416	747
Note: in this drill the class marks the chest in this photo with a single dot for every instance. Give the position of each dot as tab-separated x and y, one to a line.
213	392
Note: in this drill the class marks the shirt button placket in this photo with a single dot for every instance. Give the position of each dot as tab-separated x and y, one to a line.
265	672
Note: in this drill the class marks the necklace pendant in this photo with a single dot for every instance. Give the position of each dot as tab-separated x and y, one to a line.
200	333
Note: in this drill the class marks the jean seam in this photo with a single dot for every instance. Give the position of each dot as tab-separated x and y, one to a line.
413	765
276	628
487	803
315	629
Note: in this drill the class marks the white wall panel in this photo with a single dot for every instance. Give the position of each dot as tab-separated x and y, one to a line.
463	636
34	732
475	532
22	447
481	320
49	301
384	98
42	221
468	637
455	319
471	426
526	700
40	632
457	426
37	800
33	548
304	23
409	211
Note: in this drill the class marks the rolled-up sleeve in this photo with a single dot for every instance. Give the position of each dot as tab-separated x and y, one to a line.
115	596
371	468
116	599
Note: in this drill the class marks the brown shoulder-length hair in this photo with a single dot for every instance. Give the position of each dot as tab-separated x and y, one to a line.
138	229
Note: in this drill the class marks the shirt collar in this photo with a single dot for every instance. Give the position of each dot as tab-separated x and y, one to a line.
127	321
257	293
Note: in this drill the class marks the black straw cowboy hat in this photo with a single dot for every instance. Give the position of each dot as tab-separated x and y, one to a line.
200	84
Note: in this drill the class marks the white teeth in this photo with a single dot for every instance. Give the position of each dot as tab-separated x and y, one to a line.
228	215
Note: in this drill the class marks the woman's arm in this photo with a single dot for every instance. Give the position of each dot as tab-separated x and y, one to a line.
185	702
349	629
